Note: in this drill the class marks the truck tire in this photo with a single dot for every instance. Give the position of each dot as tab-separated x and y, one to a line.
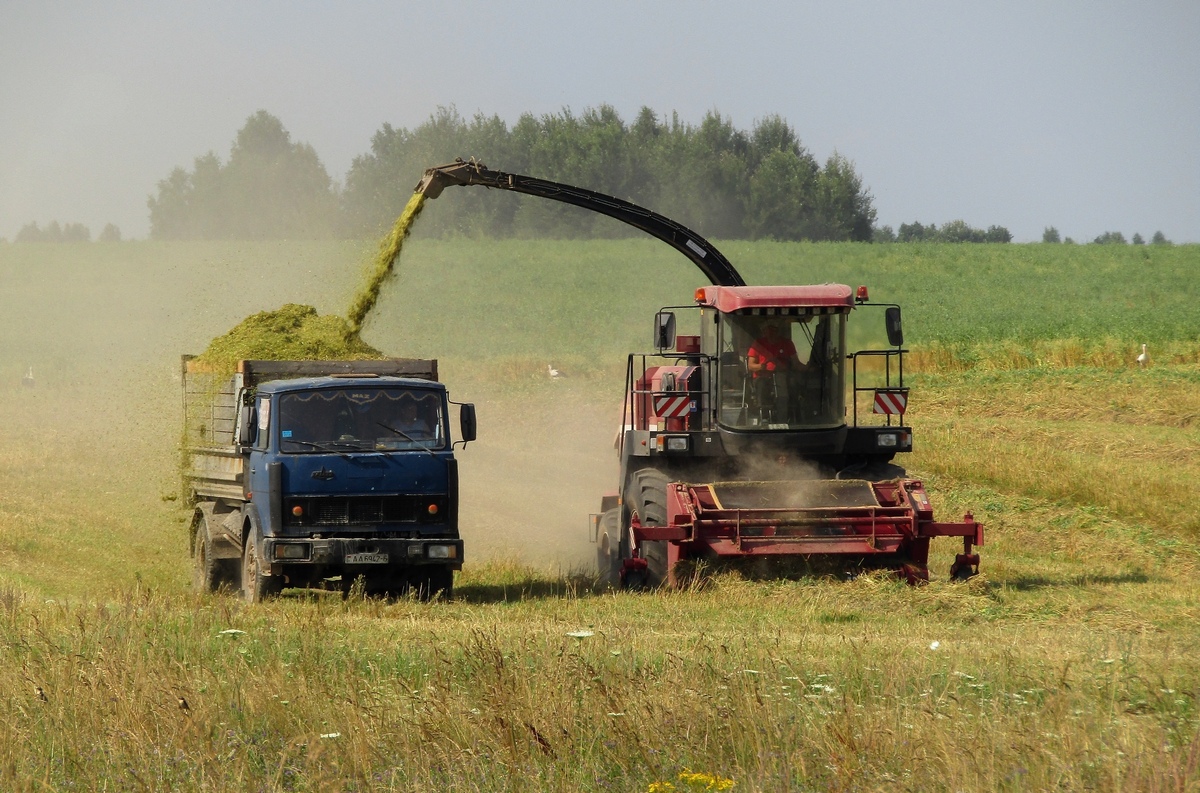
206	570
609	548
256	587
434	582
648	497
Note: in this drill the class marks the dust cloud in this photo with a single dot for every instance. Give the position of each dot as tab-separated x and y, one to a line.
542	462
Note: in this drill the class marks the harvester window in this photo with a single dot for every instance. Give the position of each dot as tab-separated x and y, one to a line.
782	371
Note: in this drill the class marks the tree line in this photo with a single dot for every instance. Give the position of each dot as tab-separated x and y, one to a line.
723	182
1051	235
65	232
953	231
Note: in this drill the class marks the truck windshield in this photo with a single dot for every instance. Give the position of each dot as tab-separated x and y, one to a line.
782	372
360	419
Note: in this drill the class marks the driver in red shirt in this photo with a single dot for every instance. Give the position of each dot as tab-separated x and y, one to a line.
772	352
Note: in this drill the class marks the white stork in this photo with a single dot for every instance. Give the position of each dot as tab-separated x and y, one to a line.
1144	358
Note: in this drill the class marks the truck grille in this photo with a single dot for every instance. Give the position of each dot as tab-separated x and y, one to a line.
363	510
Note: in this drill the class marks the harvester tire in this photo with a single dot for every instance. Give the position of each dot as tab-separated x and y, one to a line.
648	491
608	548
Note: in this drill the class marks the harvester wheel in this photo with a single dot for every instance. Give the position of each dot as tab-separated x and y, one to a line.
608	548
649	501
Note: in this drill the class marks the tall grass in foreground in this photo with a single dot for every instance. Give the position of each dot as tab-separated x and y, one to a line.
788	685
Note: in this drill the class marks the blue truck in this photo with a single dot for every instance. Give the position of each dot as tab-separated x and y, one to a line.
321	473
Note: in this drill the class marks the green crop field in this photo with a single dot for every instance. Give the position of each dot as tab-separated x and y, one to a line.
1071	663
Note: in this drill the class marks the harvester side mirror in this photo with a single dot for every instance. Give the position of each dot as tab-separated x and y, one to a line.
895	332
664	331
466	421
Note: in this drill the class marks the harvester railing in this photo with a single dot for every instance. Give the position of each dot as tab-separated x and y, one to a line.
887	356
639	402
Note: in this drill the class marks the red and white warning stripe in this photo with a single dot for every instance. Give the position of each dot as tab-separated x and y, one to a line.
893	403
672	407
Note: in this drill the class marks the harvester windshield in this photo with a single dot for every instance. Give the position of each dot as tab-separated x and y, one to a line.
782	371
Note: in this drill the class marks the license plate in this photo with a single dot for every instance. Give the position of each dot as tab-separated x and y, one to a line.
366	558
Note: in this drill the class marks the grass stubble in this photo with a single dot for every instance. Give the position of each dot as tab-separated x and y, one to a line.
1070	664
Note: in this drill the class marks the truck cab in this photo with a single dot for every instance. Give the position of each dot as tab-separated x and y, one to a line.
337	476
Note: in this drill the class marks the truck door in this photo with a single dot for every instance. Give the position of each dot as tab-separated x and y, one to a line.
263	479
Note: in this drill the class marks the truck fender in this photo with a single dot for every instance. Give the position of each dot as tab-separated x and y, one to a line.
250	525
222	522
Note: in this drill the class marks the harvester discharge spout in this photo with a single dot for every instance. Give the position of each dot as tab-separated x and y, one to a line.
698	250
461	173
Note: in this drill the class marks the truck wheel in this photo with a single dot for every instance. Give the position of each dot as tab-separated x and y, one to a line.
206	571
649	500
608	549
256	587
434	582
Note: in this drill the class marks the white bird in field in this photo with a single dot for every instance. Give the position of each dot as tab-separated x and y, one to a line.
552	371
1144	358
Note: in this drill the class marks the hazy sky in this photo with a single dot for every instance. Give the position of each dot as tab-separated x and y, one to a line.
1081	115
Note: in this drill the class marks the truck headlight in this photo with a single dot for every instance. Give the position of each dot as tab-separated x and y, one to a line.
291	550
678	443
441	551
886	439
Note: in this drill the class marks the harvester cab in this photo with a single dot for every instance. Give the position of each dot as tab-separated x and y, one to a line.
769	433
768	371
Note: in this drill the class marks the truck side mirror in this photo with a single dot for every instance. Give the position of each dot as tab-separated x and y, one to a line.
248	426
664	331
466	422
895	332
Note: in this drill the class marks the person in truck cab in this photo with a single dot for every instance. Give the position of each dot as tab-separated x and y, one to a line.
413	421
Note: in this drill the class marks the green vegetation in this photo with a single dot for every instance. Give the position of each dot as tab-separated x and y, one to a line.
757	184
1070	664
954	231
713	177
973	303
293	332
389	251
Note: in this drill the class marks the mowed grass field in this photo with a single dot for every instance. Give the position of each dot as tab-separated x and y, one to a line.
1072	663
